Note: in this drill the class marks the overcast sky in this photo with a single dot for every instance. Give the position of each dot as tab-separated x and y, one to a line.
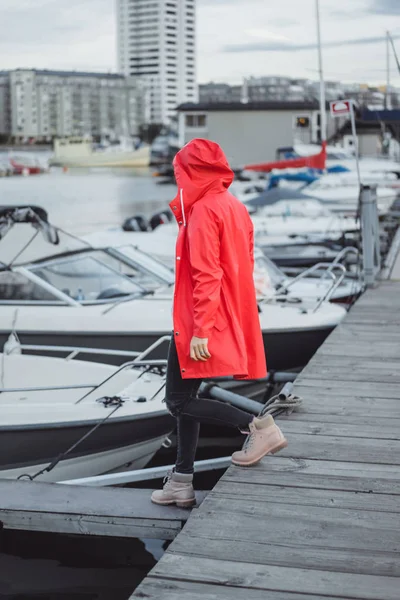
236	38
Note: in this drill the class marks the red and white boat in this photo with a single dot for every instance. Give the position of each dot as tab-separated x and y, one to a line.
24	165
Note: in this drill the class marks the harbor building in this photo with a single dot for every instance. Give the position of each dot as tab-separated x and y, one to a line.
43	104
157	44
251	132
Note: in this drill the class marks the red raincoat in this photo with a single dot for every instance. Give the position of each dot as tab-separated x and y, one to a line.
214	294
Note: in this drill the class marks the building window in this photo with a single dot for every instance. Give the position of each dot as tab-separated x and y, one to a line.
196	121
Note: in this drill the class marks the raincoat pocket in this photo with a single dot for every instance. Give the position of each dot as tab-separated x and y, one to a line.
220	323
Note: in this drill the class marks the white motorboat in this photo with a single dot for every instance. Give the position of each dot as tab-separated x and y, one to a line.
46	414
340	157
78	152
67	296
343	197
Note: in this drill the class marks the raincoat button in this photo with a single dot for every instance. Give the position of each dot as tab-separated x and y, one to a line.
183	370
178	258
180	222
174	207
176	332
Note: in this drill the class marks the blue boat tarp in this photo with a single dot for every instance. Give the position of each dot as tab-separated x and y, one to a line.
302	177
338	169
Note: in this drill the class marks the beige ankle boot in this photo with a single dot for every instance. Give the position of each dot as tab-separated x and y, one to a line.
265	437
177	489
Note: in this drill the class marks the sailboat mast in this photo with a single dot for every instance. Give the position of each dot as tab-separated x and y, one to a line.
387	97
322	100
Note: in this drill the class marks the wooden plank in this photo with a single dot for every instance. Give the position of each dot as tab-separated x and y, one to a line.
347	329
383	429
154	588
334	528
361	422
358	407
283	553
319	538
356	450
367	373
386	390
273	578
332	346
379	365
319	474
365	331
371	318
252	492
84	510
90	524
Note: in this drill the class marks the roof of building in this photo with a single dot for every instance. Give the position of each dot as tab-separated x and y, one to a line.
48	72
246	106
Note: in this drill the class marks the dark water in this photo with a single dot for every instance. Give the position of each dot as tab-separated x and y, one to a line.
37	566
53	567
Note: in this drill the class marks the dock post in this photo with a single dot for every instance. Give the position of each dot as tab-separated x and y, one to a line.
370	233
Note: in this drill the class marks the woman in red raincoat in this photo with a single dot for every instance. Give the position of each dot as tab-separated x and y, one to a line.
216	323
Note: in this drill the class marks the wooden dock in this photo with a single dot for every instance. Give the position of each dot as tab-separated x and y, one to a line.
321	520
80	510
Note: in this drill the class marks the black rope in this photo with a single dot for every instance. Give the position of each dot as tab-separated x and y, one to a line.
114	401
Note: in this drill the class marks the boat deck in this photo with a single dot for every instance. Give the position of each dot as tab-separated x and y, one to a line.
320	521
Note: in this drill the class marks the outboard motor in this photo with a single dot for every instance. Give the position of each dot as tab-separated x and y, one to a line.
136	223
160	218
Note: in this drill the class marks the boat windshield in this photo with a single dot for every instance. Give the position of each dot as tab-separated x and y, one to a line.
88	277
264	264
147	271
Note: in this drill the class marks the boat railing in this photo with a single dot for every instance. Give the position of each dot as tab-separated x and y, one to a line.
327	270
139	360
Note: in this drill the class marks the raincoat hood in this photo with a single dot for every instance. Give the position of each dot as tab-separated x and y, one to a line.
200	166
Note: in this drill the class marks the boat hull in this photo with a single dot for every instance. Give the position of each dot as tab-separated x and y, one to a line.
285	349
133	159
127	443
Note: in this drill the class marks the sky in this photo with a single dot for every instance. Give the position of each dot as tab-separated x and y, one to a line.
235	38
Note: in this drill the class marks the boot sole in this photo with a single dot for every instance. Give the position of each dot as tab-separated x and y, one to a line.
283	444
178	503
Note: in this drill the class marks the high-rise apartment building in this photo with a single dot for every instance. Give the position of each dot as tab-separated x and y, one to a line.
157	43
43	104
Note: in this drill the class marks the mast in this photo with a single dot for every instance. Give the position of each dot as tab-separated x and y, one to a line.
322	101
387	98
394	52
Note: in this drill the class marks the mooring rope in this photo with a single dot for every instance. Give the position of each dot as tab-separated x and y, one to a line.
279	404
107	401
